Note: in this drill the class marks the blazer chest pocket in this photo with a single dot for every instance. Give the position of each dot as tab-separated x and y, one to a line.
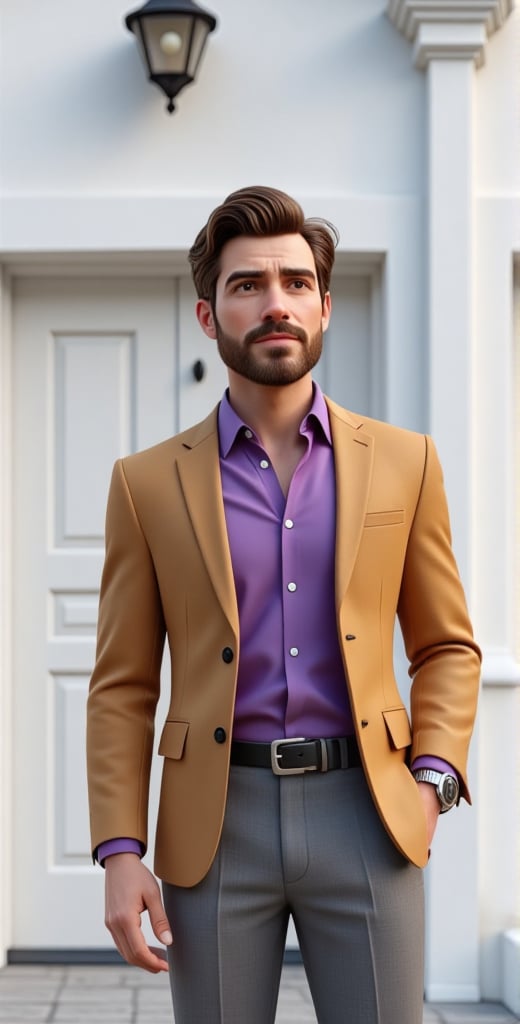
391	518
398	727
173	739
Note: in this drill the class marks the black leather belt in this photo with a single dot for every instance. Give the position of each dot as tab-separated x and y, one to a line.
293	757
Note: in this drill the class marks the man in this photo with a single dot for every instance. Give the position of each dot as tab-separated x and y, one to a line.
274	544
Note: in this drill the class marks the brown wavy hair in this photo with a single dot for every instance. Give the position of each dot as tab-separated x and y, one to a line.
258	211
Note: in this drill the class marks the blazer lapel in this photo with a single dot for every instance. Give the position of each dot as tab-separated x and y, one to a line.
353	460
199	474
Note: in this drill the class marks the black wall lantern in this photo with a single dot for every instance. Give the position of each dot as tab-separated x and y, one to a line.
172	34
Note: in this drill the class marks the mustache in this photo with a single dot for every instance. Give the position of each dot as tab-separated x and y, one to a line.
282	327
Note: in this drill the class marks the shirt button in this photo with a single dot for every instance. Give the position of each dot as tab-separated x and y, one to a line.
220	735
227	655
291	587
294	652
264	464
288	524
248	433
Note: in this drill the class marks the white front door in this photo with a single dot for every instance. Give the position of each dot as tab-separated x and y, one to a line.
102	367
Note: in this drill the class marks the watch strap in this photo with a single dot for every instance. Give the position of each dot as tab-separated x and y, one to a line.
427	775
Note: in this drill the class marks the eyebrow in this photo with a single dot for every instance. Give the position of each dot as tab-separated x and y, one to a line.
256	275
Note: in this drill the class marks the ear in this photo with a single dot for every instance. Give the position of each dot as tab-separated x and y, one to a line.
326	311
204	314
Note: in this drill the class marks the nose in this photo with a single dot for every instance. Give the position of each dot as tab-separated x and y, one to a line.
275	305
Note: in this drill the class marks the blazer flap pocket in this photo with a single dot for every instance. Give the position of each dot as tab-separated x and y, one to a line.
385	518
398	727
173	739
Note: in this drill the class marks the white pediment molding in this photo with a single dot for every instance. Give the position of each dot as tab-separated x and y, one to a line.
448	29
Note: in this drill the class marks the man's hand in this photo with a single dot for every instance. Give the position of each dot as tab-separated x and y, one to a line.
432	808
130	888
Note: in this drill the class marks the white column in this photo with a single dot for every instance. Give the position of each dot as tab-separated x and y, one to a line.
452	965
6	780
449	42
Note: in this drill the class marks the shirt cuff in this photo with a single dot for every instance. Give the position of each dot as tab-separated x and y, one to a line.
435	764
123	845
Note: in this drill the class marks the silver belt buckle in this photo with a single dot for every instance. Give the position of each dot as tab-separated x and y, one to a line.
275	756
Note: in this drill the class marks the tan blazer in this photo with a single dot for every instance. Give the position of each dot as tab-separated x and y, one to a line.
168	571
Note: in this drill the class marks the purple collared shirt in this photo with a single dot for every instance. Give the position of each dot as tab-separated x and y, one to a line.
291	680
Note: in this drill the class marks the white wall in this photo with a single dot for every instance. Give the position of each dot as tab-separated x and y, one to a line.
321	101
497	125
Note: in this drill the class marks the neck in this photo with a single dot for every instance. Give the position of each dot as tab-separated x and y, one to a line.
274	413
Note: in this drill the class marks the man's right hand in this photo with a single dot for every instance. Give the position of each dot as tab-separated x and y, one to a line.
130	889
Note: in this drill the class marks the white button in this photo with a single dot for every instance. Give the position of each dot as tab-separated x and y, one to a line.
264	464
291	587
294	652
288	524
248	433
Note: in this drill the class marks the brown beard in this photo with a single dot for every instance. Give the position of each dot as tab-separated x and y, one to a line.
279	368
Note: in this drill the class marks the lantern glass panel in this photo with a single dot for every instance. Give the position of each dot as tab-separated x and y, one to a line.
158	32
200	34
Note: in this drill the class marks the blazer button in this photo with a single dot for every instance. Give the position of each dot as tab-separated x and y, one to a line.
220	735
227	655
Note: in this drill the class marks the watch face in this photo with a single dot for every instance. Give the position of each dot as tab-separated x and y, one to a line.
449	790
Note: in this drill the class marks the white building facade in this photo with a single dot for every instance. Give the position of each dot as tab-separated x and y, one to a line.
400	122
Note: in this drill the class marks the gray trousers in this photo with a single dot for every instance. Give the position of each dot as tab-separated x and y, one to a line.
312	846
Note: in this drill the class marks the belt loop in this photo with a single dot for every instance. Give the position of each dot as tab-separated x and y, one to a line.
324	767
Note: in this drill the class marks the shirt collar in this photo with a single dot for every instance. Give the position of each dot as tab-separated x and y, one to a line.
231	426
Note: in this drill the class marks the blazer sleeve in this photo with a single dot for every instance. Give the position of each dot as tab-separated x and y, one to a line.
444	658
125	684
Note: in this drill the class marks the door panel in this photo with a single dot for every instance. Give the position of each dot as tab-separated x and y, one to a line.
196	398
95	378
348	370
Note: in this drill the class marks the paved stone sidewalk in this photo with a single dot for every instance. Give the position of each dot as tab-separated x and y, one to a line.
122	995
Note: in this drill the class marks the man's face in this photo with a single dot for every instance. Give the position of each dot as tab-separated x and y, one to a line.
269	317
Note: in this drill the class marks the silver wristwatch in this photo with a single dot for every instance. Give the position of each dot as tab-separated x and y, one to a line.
446	786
